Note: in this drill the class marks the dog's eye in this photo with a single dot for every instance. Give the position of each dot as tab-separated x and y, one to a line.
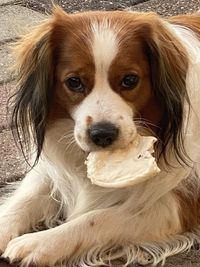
74	84
130	81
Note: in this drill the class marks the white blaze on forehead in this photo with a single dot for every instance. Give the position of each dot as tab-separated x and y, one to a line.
104	45
102	103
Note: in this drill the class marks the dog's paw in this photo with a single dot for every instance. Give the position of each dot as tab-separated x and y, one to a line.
7	232
34	248
5	237
144	258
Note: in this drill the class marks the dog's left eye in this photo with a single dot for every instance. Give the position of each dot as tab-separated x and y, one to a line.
74	84
130	81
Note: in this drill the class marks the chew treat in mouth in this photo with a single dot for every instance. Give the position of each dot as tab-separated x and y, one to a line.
123	167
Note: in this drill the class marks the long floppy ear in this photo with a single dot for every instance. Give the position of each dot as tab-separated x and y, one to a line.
34	70
168	61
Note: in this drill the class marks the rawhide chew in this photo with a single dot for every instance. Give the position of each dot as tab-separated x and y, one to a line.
123	167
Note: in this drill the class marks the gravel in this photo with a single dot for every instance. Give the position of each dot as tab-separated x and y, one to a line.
12	165
167	8
81	5
12	162
170	7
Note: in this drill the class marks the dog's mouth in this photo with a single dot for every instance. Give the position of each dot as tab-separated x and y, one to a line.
89	146
104	135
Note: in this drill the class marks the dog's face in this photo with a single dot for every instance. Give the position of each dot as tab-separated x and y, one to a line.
106	71
104	75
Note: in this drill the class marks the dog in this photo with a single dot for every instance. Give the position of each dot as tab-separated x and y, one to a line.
91	81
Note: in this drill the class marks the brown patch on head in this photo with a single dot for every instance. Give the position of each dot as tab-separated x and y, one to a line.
121	117
148	49
71	41
89	120
133	60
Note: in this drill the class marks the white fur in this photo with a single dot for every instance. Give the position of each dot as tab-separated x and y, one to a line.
104	46
96	219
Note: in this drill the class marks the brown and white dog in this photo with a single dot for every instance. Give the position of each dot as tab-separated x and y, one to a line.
92	80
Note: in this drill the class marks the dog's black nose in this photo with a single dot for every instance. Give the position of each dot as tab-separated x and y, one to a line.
103	133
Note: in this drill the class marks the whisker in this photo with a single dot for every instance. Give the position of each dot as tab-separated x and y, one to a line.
68	135
144	125
145	121
69	144
72	146
143	129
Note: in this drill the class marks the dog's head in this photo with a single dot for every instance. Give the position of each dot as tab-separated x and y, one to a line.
106	71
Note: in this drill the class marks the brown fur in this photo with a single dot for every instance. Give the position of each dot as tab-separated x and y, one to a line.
191	21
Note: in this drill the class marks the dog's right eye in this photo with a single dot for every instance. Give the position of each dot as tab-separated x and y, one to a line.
74	84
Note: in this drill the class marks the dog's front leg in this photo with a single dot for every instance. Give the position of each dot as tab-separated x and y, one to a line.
52	246
29	204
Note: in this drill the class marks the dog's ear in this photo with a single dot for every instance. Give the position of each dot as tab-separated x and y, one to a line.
168	61
35	73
